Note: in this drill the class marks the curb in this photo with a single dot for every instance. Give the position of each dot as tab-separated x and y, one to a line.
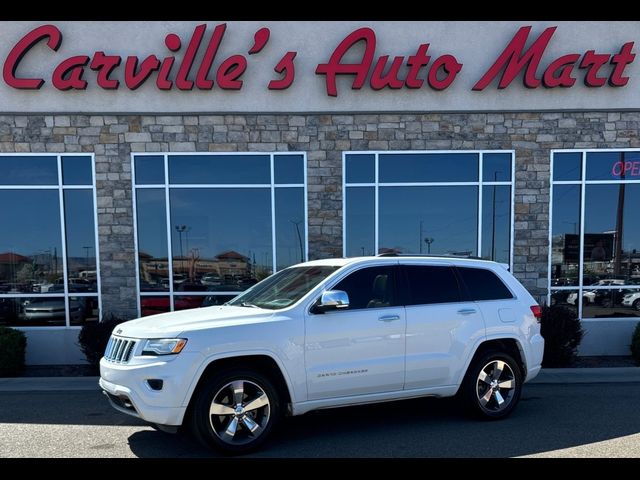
588	375
546	376
48	384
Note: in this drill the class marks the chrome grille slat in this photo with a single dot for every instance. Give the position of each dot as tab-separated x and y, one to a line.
119	350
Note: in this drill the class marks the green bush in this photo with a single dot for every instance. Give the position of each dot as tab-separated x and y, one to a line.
94	337
562	334
13	344
635	343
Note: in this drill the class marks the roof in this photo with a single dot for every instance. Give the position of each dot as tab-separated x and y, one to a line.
10	257
340	262
230	254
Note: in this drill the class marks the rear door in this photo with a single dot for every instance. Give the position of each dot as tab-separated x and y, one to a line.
441	324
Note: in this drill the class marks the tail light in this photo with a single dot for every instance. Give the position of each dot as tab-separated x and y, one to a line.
537	311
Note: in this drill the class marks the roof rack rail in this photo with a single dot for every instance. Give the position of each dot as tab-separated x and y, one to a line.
430	255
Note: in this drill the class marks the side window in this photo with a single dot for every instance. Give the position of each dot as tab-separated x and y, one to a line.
483	284
431	284
369	288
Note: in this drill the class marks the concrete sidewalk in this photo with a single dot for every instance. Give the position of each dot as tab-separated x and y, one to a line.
548	375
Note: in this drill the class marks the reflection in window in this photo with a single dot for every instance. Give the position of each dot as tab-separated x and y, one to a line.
34	256
417	203
234	220
429	219
608	248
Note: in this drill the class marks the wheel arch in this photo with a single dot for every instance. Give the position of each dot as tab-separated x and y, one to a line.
508	345
264	362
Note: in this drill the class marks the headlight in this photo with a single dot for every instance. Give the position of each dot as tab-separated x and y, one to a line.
164	346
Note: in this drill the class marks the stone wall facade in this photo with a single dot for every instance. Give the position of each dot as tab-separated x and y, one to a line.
112	138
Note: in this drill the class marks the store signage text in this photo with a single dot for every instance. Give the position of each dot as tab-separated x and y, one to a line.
375	71
621	169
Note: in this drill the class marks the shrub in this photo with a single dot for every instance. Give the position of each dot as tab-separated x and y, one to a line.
13	344
94	337
635	343
562	334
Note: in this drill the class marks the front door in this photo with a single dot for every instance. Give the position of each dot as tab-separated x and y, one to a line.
359	349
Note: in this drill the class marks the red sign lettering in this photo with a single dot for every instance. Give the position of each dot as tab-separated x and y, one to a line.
626	169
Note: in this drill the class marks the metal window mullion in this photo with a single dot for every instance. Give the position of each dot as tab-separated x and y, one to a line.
512	230
344	204
306	219
581	254
479	211
63	234
273	214
376	209
168	218
551	184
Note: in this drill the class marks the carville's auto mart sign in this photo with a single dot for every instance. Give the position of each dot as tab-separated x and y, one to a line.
318	66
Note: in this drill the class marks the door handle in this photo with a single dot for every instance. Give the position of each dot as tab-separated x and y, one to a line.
389	318
466	311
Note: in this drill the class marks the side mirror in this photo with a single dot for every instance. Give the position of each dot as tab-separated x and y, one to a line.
333	299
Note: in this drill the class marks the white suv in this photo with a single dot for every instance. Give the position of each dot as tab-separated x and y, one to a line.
329	333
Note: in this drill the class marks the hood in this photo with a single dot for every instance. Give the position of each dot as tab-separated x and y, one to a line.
172	324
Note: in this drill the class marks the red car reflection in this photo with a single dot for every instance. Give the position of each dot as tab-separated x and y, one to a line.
155	305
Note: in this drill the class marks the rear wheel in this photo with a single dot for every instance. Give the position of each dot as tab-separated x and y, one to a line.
636	305
492	386
235	411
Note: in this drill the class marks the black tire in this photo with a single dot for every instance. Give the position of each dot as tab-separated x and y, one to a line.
636	305
472	388
217	387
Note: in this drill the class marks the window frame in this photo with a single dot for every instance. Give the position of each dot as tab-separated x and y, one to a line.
396	277
582	183
376	184
167	186
61	188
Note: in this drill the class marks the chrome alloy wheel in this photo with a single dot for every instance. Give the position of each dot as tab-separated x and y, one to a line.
496	386
239	412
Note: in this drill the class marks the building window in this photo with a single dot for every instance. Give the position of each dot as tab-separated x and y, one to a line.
429	203
594	262
49	273
208	226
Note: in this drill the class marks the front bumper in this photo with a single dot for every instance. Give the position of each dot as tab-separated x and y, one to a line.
128	391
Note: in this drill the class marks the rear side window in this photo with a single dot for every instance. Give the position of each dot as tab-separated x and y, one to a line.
431	284
483	284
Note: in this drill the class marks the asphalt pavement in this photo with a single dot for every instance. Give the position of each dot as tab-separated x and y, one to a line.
563	413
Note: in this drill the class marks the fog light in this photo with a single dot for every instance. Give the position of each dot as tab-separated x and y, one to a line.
155	383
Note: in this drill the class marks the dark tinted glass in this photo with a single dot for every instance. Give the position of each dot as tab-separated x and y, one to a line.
221	231
149	169
152	240
428	167
290	227
483	284
38	311
369	288
429	219
360	168
154	305
613	165
219	169
28	170
80	233
565	233
360	221
612	233
288	169
76	170
567	166
83	310
430	284
496	167
30	241
611	303
496	222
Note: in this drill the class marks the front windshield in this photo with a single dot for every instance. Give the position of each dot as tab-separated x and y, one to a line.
284	288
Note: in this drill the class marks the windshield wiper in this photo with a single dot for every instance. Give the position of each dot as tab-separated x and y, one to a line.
247	304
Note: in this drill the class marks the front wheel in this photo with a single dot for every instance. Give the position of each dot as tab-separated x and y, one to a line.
492	386
636	305
235	411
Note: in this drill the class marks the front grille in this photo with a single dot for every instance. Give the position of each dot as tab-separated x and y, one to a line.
119	349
